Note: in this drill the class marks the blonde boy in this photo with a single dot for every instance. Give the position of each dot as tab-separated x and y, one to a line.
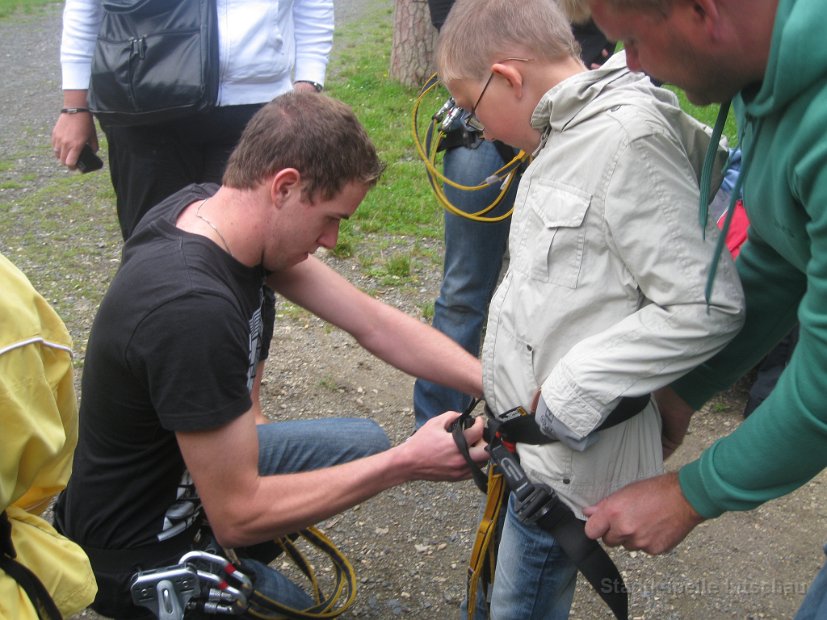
604	294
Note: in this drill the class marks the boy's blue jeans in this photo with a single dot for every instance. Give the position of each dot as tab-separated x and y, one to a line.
473	258
286	447
534	579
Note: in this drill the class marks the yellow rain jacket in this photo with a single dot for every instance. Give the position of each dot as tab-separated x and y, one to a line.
38	415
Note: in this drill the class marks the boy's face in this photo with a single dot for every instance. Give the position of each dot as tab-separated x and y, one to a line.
492	102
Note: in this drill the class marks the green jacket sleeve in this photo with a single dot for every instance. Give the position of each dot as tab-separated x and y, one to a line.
783	444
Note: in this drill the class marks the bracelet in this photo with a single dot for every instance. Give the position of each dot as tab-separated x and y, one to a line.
73	110
319	88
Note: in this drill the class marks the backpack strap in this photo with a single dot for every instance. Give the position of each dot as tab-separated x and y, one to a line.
42	601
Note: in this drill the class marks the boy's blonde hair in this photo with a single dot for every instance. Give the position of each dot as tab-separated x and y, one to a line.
478	33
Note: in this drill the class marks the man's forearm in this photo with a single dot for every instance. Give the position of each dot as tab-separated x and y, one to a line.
245	508
422	351
391	335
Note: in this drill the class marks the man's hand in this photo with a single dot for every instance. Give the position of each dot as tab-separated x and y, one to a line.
675	415
651	515
434	455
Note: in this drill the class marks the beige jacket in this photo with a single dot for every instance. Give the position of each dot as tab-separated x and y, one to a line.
604	294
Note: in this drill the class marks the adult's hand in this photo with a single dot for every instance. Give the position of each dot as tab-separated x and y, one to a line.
72	131
434	454
651	515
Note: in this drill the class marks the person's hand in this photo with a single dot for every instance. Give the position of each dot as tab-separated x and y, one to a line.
434	455
71	132
675	415
304	87
651	515
535	400
604	56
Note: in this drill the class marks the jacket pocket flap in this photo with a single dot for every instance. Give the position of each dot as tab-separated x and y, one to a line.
559	206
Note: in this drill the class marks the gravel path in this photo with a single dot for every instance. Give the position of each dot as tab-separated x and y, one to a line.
410	545
30	97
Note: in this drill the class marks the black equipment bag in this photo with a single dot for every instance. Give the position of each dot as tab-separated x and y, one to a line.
154	61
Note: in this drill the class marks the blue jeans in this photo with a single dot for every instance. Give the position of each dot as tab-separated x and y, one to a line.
473	258
815	603
286	447
534	579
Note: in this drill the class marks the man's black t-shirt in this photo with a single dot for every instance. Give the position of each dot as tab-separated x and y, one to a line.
173	348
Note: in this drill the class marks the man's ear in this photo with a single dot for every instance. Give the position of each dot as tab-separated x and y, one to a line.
702	13
285	183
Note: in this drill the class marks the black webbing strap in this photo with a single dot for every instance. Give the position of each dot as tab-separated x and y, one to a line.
462	422
518	426
590	558
539	504
118	560
41	599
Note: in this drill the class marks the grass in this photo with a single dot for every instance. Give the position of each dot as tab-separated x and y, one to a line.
12	7
708	114
402	203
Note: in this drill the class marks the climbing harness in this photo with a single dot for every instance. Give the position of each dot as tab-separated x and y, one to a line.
448	128
536	503
212	584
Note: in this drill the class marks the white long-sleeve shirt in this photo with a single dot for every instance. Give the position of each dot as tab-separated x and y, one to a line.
264	46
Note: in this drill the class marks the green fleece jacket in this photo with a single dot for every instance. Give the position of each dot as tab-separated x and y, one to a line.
783	267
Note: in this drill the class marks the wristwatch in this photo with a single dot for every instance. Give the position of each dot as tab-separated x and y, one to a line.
319	88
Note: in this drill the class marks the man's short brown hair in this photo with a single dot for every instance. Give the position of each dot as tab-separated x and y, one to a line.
313	133
657	6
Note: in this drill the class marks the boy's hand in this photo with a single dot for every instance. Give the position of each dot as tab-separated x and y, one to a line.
675	414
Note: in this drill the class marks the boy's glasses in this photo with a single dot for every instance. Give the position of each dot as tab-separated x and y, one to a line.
472	121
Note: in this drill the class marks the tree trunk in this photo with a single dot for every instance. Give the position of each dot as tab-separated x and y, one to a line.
413	43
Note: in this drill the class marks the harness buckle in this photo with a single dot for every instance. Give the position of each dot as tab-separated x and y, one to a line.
167	591
537	503
534	500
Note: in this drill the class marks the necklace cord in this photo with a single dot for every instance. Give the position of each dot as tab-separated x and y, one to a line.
211	225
